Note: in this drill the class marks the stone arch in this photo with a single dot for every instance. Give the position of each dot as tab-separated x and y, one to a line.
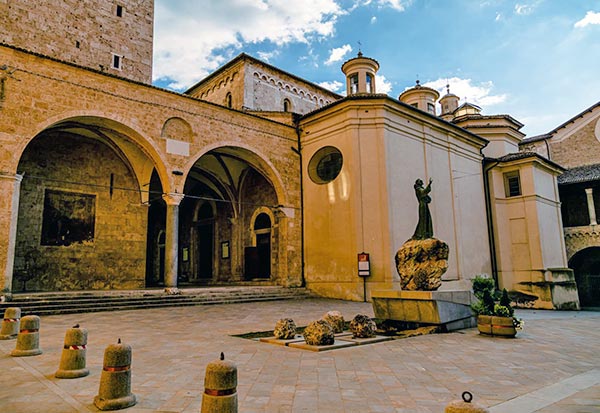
143	147
178	129
586	265
251	155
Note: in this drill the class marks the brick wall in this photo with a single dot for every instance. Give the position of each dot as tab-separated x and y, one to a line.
85	32
581	148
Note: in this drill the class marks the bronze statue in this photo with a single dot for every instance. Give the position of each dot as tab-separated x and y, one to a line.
424	228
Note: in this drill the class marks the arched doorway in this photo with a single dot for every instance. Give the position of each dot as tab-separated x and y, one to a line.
586	265
262	232
205	238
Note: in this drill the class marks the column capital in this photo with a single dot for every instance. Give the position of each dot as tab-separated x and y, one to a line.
10	176
173	198
589	190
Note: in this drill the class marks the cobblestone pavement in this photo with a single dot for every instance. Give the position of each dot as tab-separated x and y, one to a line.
552	366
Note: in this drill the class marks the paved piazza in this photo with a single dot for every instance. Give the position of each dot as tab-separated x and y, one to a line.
552	366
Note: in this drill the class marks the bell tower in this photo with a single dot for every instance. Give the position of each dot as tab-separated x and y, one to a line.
360	74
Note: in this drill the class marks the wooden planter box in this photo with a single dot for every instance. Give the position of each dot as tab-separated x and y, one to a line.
496	326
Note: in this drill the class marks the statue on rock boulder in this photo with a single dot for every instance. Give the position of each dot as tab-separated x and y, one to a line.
423	259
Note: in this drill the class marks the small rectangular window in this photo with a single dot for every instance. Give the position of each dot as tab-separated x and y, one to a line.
116	63
512	184
119	11
431	108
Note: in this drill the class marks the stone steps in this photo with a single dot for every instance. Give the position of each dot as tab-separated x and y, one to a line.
95	301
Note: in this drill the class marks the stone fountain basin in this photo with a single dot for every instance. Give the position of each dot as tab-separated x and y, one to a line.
449	309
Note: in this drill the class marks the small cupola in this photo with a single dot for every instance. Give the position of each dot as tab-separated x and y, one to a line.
360	74
421	97
449	104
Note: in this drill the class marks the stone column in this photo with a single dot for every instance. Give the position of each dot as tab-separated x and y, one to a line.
10	185
172	238
590	202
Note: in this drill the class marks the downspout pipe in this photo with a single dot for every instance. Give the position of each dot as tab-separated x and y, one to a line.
298	151
488	165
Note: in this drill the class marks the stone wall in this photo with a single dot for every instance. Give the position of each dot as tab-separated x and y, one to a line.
581	148
112	254
43	94
84	32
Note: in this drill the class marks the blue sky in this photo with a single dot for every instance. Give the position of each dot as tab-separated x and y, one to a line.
537	60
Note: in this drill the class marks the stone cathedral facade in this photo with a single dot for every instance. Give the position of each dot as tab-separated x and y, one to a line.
253	175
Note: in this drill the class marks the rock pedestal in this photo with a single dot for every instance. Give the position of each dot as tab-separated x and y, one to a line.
421	264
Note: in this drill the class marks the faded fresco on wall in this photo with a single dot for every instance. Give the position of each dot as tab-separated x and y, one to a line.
68	218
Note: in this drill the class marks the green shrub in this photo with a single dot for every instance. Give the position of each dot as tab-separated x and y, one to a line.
482	283
502	311
505	302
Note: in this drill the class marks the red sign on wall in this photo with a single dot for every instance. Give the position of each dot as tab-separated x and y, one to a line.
364	265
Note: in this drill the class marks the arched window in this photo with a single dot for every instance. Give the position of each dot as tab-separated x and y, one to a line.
287	105
228	101
205	211
262	222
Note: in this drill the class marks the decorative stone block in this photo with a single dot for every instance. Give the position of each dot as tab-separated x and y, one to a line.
362	326
336	320
285	329
319	333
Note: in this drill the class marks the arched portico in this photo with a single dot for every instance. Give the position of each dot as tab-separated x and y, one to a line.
82	214
224	190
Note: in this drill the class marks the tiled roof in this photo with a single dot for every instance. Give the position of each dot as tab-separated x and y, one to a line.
523	155
579	174
536	138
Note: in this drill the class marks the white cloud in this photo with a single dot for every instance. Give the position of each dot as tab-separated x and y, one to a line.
382	85
334	85
399	5
267	56
498	16
526	8
338	53
373	19
479	94
187	37
590	18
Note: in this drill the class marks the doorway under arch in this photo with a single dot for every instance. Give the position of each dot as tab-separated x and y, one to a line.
586	265
223	190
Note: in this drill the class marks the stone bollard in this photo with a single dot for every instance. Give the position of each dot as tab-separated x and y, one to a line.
28	340
10	324
72	361
220	387
465	405
115	381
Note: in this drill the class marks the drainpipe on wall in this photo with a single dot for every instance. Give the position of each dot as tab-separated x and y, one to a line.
487	166
298	151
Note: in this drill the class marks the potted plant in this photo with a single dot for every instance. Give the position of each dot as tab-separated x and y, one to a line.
494	319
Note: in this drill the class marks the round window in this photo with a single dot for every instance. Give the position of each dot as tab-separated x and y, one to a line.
325	165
